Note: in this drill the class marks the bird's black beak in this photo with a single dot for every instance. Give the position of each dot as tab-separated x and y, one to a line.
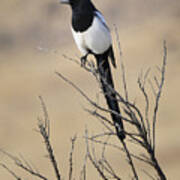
64	1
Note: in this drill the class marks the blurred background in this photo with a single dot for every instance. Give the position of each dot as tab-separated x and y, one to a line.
33	37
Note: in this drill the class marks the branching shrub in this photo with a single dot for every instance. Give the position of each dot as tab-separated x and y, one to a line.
141	129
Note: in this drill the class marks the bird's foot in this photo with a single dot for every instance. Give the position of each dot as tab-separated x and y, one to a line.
83	61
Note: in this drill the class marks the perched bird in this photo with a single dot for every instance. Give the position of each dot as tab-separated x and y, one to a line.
92	36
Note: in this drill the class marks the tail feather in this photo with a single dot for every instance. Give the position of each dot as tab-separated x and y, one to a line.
111	55
107	82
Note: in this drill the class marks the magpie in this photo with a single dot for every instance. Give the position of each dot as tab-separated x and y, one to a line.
92	36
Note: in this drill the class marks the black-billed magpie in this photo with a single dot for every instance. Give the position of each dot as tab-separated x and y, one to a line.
92	36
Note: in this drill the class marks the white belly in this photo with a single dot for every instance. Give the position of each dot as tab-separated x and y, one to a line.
97	38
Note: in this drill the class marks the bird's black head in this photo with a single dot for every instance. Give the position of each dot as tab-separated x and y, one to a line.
74	3
82	13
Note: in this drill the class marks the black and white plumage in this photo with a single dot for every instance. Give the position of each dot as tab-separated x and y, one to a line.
92	36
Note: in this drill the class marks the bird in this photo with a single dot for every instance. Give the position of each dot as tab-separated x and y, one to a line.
92	36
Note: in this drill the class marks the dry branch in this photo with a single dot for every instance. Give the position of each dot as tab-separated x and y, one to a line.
44	131
71	157
145	135
23	165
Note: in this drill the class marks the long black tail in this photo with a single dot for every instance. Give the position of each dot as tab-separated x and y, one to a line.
107	82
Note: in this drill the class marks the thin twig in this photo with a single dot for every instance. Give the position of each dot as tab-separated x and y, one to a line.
94	104
149	175
122	64
92	160
135	117
163	69
49	150
71	157
130	161
83	171
142	88
19	163
46	115
96	114
10	171
44	131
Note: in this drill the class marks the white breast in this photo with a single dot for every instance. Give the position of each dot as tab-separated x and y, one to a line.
97	38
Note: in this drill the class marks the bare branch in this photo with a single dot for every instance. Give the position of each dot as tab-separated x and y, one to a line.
144	136
142	88
49	149
152	87
149	175
89	68
94	104
96	114
92	160
130	161
83	171
44	131
71	157
163	69
20	164
26	162
108	168
46	116
156	81
10	171
122	64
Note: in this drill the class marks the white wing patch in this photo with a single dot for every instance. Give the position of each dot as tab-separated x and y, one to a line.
101	18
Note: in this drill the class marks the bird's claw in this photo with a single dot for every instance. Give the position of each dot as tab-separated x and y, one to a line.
83	61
